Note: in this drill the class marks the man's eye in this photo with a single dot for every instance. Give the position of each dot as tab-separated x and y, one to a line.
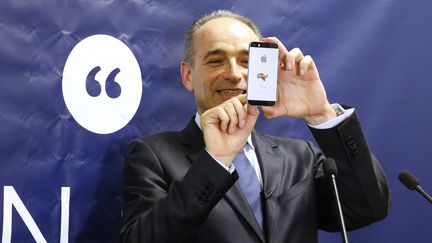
215	62
244	62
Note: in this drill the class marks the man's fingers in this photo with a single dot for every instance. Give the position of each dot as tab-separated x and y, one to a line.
269	112
242	98
235	110
223	118
252	117
293	58
232	114
306	64
241	113
282	48
252	110
283	51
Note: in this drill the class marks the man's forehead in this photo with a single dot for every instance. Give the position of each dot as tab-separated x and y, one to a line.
224	34
226	27
225	46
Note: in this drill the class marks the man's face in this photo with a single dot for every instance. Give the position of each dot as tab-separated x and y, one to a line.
220	61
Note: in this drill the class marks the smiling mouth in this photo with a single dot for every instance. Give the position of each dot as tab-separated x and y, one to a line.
231	92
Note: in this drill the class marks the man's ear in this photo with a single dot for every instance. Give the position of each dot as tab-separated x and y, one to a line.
185	71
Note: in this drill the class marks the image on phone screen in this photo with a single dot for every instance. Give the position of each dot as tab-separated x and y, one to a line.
262	73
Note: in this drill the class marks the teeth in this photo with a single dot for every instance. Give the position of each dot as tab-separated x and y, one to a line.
231	92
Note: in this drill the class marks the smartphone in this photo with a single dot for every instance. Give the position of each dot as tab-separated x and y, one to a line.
262	73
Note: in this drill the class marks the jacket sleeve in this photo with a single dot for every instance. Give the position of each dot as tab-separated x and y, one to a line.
362	184
157	210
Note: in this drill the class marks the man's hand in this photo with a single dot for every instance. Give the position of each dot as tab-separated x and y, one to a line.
301	93
226	128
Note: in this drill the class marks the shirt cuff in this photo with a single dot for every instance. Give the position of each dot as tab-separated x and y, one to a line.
230	169
337	120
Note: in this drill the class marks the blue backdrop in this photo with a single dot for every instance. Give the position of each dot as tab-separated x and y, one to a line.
373	55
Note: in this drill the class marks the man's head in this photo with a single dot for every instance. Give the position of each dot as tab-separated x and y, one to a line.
216	57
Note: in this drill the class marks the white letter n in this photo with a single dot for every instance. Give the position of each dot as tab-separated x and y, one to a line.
11	198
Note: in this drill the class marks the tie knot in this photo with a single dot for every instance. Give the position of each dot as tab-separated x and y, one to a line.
245	148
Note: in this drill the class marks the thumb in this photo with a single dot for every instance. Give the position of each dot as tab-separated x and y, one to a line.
252	110
269	112
252	116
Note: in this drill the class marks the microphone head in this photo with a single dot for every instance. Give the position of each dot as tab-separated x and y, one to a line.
329	167
408	179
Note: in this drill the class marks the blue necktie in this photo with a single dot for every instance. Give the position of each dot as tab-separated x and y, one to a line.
249	185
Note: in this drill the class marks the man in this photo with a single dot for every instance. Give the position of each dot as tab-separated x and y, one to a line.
183	186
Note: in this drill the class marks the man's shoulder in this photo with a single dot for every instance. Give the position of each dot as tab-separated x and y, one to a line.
189	136
158	138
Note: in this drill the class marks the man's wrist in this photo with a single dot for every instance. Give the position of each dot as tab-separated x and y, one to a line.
330	113
230	168
337	120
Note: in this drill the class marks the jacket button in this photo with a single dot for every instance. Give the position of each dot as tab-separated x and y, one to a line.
208	190
353	146
203	200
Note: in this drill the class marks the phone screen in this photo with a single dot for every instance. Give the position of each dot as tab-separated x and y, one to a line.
262	73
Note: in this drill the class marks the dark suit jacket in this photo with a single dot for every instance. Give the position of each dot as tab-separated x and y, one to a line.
175	192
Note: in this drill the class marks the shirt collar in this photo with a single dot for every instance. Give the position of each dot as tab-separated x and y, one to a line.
198	122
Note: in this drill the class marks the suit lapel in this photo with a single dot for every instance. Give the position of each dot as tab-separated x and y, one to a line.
193	140
235	197
192	137
271	166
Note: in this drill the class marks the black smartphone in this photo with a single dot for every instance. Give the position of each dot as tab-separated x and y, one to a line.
262	73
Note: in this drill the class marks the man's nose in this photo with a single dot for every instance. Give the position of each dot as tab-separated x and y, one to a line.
235	72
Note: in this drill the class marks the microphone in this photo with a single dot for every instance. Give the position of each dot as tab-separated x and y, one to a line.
266	193
412	183
330	170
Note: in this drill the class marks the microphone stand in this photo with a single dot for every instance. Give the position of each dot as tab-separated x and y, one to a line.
342	221
423	193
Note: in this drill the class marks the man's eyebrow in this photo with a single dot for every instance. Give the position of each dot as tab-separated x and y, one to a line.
214	52
244	52
222	52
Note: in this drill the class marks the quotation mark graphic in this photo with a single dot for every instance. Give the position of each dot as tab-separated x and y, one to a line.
102	84
94	88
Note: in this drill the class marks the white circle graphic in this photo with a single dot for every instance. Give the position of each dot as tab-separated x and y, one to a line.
102	84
